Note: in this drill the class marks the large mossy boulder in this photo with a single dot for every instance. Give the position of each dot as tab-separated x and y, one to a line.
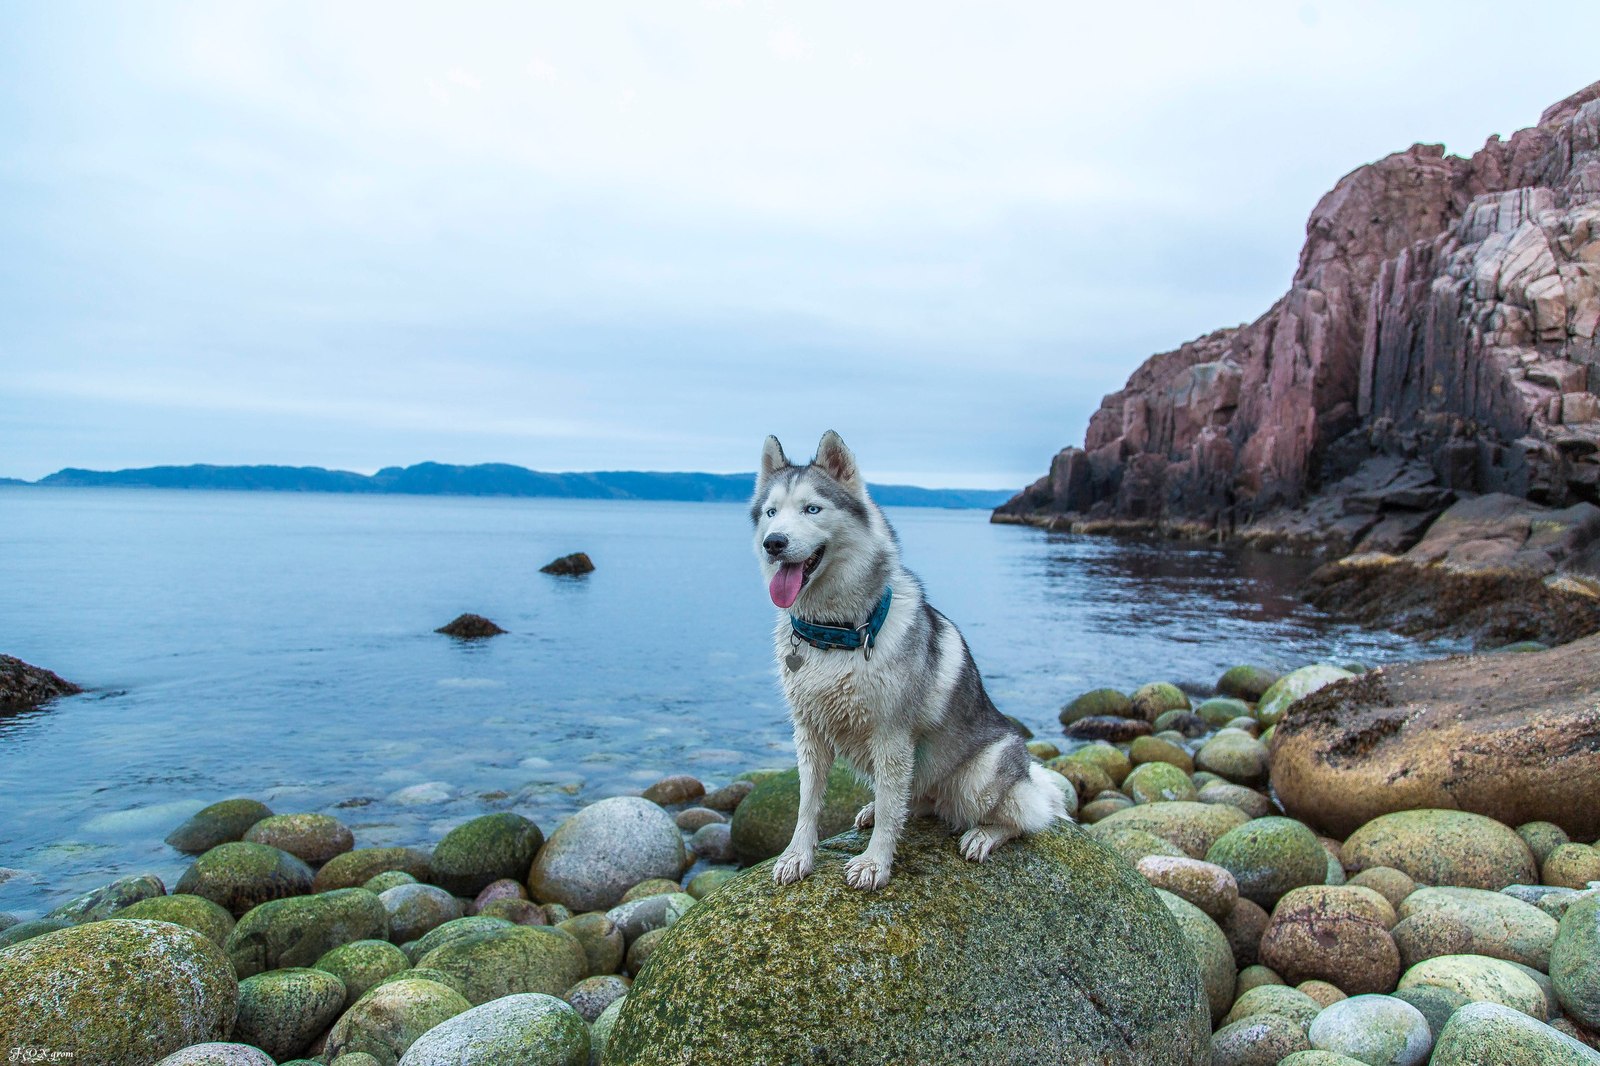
115	992
1054	950
300	930
764	822
478	853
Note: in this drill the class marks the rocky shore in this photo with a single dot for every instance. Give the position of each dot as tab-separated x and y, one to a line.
23	685
1336	866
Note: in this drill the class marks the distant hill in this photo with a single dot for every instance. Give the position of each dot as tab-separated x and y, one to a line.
484	479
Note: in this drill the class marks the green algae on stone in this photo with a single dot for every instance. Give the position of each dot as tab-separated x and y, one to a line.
1498	925
1096	967
1575	961
361	964
193	912
300	930
1218	711
1269	857
1190	826
455	930
378	884
1158	782
706	881
1096	703
283	1011
386	1021
1488	1034
21	931
1155	699
414	910
654	886
352	869
1218	973
1248	683
218	824
107	900
1235	757
1108	757
240	875
765	821
603	943
526	1029
1443	847
1295	685
116	992
312	838
478	853
518	958
1481	979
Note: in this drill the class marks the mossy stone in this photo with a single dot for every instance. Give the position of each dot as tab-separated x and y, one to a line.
1572	866
1295	685
1235	757
386	1021
764	822
362	964
1157	749
300	930
1482	980
218	1053
1270	856
1192	827
1443	847
1158	782
1087	779
1482	1033
352	869
1096	703
1218	711
414	910
457	929
381	883
312	838
503	962
241	875
706	881
1259	1040
1277	999
1247	683
477	853
107	900
655	886
1497	924
283	1011
192	912
603	943
1136	844
1542	838
905	974
526	1029
218	824
600	1032
1108	757
1575	961
116	992
1210	948
1157	698
23	931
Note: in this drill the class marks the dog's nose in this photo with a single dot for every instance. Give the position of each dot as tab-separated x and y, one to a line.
775	543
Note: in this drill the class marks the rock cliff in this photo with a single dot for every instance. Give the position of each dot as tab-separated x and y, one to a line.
1439	340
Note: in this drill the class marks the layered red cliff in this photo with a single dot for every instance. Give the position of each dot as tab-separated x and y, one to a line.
1439	339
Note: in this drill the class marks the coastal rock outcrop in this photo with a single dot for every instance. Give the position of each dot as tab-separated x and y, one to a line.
23	685
1440	339
1513	737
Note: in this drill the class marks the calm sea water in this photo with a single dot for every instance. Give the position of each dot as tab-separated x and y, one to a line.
281	646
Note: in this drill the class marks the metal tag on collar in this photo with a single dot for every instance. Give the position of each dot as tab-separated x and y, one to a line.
866	638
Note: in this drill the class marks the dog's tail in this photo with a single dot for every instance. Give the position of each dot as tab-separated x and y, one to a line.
1033	803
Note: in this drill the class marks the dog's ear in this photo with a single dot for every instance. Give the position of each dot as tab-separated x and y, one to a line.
836	460
772	459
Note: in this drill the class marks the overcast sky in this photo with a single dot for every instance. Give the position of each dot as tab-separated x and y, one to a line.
581	236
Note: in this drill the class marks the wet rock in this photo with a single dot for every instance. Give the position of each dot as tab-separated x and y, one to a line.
1379	1030
311	838
1186	724
1158	782
484	850
1270	856
1497	925
573	565
109	899
1110	730
362	965
1155	699
1337	934
1220	710
115	992
470	627
191	912
592	995
599	853
1097	703
603	943
283	1011
727	798
1482	980
1248	683
386	1021
241	875
1048	900
678	788
707	881
503	962
219	823
301	929
1155	749
1443	847
1516	739
23	685
355	868
526	1029
694	817
1575	961
765	821
1483	1033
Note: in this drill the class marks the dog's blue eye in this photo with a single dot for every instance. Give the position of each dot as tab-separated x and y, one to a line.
771	511
813	509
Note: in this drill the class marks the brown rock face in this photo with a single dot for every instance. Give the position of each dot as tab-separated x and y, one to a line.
22	685
1443	324
1515	737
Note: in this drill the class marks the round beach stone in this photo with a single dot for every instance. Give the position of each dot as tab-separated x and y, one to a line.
1097	703
1206	885
353	869
602	942
713	843
1295	685
1155	749
643	946
1254	976
1220	710
1259	1040
606	848
679	788
694	817
1434	1001
362	964
1482	980
1572	866
383	882
504	888
1377	1030
655	886
1191	827
592	995
218	824
1427	936
241	875
1136	844
1157	698
1217	970
386	1021
1158	782
600	1031
637	917
526	1029
1276	999
1042	750
1108	730
516	911
706	881
459	929
1236	757
1244	926
217	1053
1087	779
1542	838
1247	683
1270	856
1108	757
1391	884
116	992
1321	991
1103	806
727	798
479	852
21	931
1440	847
414	910
1575	961
192	912
765	821
1497	924
109	900
892	976
300	930
1488	1034
283	1011
312	838
1333	933
518	958
1248	800
1318	1058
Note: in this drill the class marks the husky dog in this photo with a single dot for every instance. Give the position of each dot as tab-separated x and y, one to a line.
877	677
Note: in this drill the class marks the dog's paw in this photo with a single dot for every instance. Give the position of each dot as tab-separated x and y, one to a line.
864	817
979	842
866	872
791	867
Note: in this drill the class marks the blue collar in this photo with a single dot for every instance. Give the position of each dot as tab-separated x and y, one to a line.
830	637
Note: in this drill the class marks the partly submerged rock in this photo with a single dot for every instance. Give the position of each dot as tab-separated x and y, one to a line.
1095	971
23	685
219	823
573	565
469	627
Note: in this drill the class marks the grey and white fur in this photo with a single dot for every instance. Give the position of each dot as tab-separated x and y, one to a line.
912	718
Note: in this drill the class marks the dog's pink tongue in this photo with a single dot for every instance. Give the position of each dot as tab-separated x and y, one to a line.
786	584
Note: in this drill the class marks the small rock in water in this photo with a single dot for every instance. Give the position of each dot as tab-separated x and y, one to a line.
679	788
110	899
694	817
470	627
729	796
1112	730
218	824
573	565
